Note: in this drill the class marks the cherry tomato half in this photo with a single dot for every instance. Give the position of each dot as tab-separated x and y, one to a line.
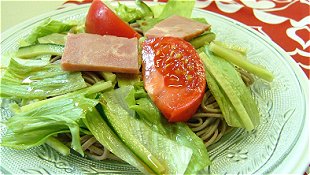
174	76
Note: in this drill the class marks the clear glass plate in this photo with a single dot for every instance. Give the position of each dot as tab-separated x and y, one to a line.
283	106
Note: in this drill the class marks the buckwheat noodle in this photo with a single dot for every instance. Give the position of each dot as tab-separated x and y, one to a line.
208	123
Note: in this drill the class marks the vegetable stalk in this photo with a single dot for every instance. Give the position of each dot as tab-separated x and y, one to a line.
58	146
239	61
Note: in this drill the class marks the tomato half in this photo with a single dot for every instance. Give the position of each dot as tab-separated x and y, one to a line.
174	76
103	21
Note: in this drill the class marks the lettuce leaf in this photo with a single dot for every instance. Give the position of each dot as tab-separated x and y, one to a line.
33	124
29	79
172	7
46	28
178	132
160	153
177	7
106	136
157	9
128	14
139	132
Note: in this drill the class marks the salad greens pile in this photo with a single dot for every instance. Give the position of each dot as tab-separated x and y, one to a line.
116	110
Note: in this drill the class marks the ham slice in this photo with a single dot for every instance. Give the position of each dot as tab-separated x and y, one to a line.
177	26
91	52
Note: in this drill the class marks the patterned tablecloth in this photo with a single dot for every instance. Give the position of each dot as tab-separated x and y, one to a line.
286	22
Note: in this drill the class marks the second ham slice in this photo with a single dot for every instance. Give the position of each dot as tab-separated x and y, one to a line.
179	27
91	52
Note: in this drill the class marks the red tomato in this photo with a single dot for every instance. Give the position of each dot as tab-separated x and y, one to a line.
174	77
103	21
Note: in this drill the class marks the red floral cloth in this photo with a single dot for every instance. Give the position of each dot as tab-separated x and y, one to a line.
286	22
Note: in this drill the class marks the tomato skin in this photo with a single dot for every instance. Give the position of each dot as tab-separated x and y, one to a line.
103	21
174	77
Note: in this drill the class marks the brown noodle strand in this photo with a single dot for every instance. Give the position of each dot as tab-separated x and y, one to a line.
208	123
204	124
208	114
85	138
208	132
88	79
134	25
212	139
88	143
100	157
195	124
95	150
91	77
55	58
222	131
213	105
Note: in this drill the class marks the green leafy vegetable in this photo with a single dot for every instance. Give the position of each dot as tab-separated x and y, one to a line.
172	7
146	10
178	132
234	98
28	79
128	14
33	127
33	124
140	132
46	28
176	7
106	136
157	9
151	147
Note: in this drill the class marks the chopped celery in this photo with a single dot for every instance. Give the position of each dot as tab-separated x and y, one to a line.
202	40
236	59
127	79
55	38
58	146
40	49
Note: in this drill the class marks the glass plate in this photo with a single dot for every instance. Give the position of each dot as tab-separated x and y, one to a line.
276	146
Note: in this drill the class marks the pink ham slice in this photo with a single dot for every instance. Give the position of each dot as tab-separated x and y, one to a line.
90	52
177	26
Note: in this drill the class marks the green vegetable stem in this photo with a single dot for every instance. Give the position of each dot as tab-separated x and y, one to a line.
238	60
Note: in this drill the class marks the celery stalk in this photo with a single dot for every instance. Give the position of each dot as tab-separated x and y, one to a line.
58	146
239	61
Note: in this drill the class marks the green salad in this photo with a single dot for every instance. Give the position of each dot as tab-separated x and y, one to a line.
131	117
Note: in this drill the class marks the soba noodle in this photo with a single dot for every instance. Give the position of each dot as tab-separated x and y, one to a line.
208	123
